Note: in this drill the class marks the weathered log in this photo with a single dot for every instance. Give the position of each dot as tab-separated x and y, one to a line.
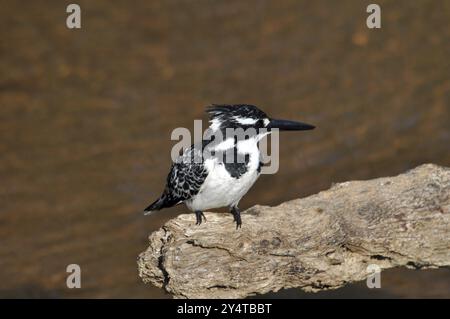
320	242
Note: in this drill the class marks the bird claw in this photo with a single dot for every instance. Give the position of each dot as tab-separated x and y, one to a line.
199	216
237	217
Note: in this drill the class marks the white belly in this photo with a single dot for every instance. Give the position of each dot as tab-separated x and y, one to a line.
222	190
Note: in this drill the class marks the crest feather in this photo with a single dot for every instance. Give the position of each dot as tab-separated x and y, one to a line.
229	110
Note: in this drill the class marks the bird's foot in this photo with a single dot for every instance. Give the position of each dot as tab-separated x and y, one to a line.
200	216
237	217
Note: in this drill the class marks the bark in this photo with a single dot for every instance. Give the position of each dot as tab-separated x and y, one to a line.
320	242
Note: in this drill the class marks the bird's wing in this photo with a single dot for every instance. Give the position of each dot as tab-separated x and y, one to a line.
187	175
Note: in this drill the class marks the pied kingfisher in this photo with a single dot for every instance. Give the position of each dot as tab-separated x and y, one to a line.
215	180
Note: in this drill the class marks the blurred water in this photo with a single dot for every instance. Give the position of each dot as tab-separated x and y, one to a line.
86	118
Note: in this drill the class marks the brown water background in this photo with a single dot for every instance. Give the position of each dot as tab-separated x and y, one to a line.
86	117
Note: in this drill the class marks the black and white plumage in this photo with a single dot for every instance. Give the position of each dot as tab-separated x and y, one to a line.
219	172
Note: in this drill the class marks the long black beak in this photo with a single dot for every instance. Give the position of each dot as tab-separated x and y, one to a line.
286	125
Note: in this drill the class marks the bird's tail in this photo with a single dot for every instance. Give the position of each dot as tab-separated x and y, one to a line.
155	206
162	202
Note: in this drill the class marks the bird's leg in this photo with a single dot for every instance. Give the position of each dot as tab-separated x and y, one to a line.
237	216
199	215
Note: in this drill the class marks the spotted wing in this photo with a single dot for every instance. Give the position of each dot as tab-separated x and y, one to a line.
186	176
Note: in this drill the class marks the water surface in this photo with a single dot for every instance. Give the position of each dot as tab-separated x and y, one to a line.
86	117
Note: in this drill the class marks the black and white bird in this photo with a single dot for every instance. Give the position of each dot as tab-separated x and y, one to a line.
205	176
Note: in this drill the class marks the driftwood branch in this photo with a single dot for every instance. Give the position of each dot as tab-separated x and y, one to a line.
320	242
